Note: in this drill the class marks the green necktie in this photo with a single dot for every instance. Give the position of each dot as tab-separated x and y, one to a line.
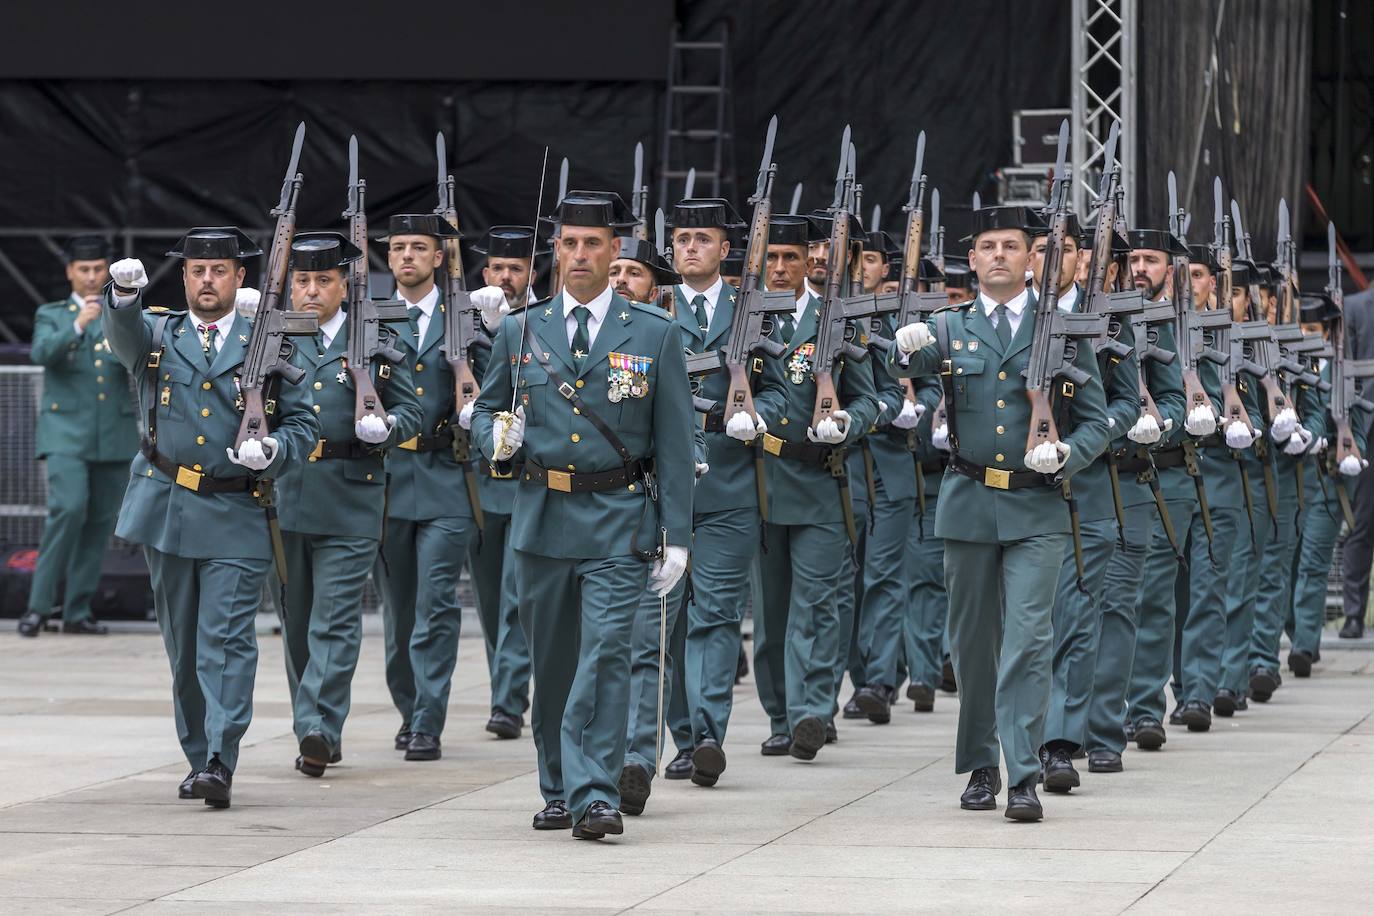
581	342
699	306
207	341
1003	326
414	311
789	327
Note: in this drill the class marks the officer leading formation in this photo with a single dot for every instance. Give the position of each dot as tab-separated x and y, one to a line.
1073	471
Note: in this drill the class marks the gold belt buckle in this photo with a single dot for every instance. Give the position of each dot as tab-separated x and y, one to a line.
188	478
997	478
411	444
772	444
560	481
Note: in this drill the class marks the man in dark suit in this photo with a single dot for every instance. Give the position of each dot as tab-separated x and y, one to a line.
1359	546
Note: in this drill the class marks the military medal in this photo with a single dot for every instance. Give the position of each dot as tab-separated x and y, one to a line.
799	365
342	377
972	345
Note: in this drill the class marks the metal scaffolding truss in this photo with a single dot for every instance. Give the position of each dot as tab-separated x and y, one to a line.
1103	77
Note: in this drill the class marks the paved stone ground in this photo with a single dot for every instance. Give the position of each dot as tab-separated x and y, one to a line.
1268	813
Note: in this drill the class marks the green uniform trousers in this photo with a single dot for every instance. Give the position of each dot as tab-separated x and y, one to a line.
1116	632
322	631
579	618
1202	635
1320	529
882	589
83	506
640	741
923	630
498	609
1001	640
417	571
1077	624
1274	591
1252	550
849	598
797	637
206	610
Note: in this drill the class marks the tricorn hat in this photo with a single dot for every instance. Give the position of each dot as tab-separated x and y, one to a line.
88	248
824	218
1317	307
430	224
597	209
1203	254
215	243
958	274
1156	240
634	249
794	229
1075	229
322	250
705	213
986	219
508	242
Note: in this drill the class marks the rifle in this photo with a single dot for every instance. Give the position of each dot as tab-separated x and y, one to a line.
639	198
1343	371
937	237
1244	249
1221	247
1117	306
1145	325
267	358
368	339
555	281
1232	408
1286	256
1055	345
1188	332
462	325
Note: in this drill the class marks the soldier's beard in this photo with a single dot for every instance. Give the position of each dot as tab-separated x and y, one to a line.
1152	292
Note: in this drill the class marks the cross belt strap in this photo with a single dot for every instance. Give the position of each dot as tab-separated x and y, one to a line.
998	479
585	482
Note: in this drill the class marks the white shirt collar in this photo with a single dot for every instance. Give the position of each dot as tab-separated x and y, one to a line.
599	305
1015	305
426	304
78	300
712	293
330	329
222	325
1068	300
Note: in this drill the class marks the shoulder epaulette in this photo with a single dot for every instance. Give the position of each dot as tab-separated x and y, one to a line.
651	310
952	308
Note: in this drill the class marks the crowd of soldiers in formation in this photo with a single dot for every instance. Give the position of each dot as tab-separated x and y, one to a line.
848	464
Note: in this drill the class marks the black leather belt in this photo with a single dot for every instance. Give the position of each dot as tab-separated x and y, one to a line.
1134	464
325	449
714	423
584	482
489	471
433	443
804	452
194	480
998	479
1169	458
934	465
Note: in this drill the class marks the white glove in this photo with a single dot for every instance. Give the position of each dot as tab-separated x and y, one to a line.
1299	442
1237	436
506	445
254	454
939	437
1351	466
372	429
129	274
702	468
1146	431
741	427
1047	457
1111	423
492	301
1283	424
465	415
913	337
1318	446
1201	421
667	570
247	298
831	430
910	414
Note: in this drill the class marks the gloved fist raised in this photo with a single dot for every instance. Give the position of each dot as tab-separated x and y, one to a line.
247	299
667	570
1145	431
913	337
1238	436
508	433
1299	442
372	429
741	427
939	437
492	301
1047	457
1318	446
465	415
1351	466
254	454
1201	421
128	275
909	415
1283	424
831	430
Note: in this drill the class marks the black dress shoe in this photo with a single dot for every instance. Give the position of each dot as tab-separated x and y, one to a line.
1149	734
832	734
875	702
1176	717
1102	761
1242	704
947	682
316	752
213	784
184	790
403	738
851	709
1022	803
423	747
1263	683
981	793
1197	715
504	725
31	624
708	762
922	696
1300	663
808	737
1060	776
1353	629
555	816
681	767
88	627
776	746
1225	703
634	788
599	820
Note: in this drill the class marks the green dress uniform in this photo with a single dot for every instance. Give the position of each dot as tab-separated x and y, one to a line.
204	534
331	509
581	512
1003	547
797	637
429	525
86	435
923	630
493	586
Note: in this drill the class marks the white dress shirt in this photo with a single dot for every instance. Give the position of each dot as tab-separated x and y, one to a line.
802	300
1068	300
80	303
222	328
330	329
712	294
1015	309
599	306
426	307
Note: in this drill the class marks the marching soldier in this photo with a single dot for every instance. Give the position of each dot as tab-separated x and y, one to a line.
603	411
191	498
430	520
797	639
331	506
86	435
1005	530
